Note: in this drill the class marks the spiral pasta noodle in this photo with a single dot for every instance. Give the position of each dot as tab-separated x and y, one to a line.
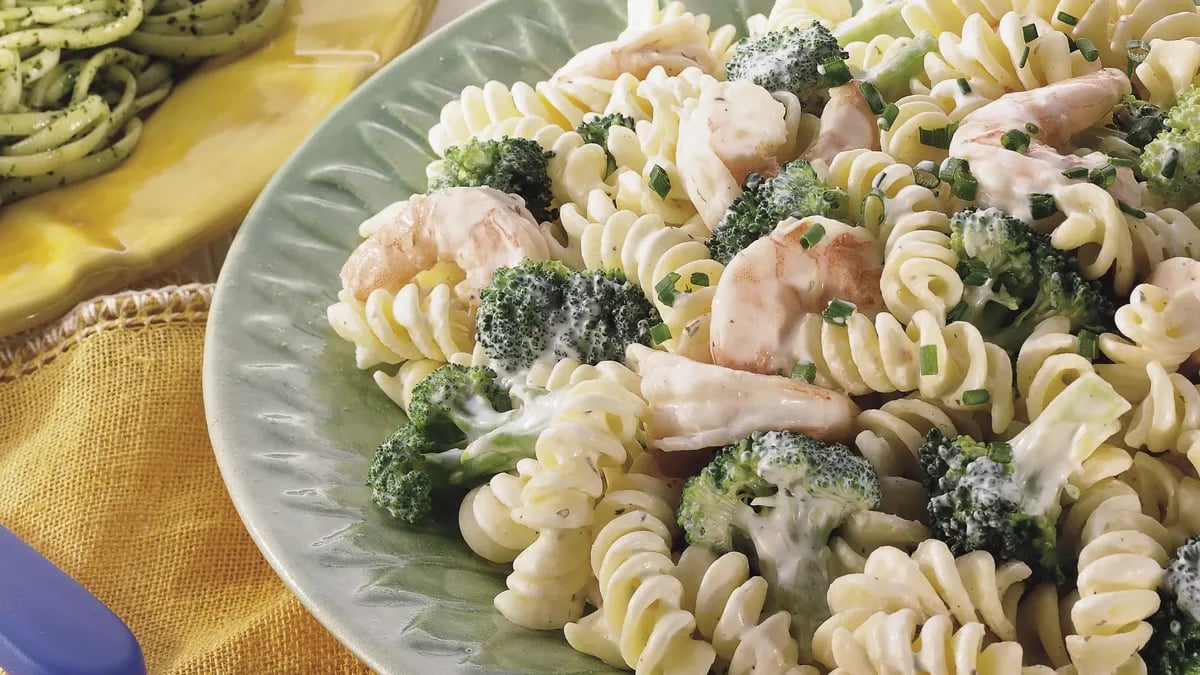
1002	57
1109	241
642	621
972	588
880	190
1168	417
728	605
920	269
883	356
1167	495
645	14
799	14
415	323
949	16
399	386
1170	69
1121	557
486	523
1156	327
871	644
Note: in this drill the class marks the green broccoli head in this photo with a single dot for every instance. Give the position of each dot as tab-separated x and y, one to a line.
400	478
977	503
1014	279
540	310
1174	646
778	496
788	60
1004	498
518	312
605	314
517	166
1171	162
795	192
1141	122
452	402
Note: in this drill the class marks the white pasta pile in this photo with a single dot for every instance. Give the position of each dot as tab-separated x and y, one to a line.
853	342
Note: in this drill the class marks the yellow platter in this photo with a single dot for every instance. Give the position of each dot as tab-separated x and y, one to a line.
205	154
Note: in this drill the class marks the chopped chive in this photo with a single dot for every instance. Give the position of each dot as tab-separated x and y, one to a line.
929	359
836	72
976	397
1029	32
1015	140
1087	345
806	371
925	173
973	272
890	113
864	209
660	182
1088	49
1031	128
999	451
1171	165
1122	162
838	312
1104	176
935	138
1135	53
1042	206
665	288
1129	209
966	188
812	236
1024	57
1067	19
952	167
1077	172
963	85
699	279
957	312
660	333
874	99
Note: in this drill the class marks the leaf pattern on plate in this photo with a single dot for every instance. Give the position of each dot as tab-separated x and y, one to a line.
294	422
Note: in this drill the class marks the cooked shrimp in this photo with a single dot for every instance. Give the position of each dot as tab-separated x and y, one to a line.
768	287
695	405
1049	116
733	129
476	228
676	45
846	124
1177	276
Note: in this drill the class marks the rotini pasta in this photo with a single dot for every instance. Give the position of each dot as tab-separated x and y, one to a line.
1170	69
486	522
883	356
415	323
1168	417
916	115
1005	57
728	605
920	270
1167	495
880	190
399	387
646	14
1122	553
971	588
949	16
886	643
799	14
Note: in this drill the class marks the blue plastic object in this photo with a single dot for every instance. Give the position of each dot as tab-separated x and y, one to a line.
50	625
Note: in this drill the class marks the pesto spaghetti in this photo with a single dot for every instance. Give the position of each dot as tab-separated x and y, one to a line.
76	76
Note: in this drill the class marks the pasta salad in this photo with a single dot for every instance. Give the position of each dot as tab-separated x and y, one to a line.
840	341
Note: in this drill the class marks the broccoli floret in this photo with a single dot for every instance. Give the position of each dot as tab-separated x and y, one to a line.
1171	162
1174	647
796	192
517	166
463	429
596	130
539	310
1140	121
777	496
1003	498
788	60
1015	279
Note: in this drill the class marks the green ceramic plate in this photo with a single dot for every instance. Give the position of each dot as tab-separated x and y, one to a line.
294	423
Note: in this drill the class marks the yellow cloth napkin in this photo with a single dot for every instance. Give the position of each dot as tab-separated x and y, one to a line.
106	469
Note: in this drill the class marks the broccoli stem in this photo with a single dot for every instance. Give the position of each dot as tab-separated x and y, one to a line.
886	20
893	77
1055	445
